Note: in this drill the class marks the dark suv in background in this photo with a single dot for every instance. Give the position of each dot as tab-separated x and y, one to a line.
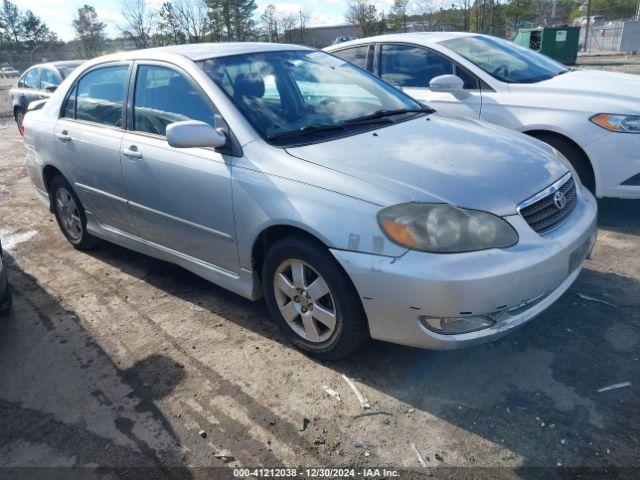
38	82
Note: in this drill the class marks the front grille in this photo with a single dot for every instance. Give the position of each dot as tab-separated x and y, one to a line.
545	212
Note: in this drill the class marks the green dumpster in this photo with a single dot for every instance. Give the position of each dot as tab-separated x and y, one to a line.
560	43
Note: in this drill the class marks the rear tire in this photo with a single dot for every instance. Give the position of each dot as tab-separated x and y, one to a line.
576	157
70	214
311	298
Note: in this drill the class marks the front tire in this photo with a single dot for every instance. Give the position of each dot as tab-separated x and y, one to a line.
70	214
312	299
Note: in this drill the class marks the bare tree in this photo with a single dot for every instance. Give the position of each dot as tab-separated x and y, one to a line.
193	19
288	22
426	10
168	25
269	19
363	13
141	21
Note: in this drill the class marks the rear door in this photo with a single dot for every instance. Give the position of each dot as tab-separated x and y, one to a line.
412	67
28	89
180	198
88	135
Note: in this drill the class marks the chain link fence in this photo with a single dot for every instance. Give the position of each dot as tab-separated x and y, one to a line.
21	61
613	37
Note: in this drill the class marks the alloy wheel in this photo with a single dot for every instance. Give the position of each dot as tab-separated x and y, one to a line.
69	214
305	300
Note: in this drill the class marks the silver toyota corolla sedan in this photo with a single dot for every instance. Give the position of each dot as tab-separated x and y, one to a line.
284	172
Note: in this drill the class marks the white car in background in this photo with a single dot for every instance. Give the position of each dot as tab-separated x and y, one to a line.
592	117
9	72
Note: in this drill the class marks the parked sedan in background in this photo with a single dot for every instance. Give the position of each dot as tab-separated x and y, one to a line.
37	83
283	171
9	72
586	115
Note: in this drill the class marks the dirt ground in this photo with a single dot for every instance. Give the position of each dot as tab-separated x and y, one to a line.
115	360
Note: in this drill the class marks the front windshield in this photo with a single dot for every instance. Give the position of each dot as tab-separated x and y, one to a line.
302	93
504	60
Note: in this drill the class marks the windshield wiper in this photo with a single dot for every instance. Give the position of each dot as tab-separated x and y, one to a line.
313	128
388	113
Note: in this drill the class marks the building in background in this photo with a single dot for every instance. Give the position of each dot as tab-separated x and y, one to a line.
320	37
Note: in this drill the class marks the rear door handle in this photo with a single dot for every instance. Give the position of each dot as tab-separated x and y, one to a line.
132	152
63	136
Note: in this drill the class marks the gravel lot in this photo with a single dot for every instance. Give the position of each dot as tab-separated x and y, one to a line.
117	360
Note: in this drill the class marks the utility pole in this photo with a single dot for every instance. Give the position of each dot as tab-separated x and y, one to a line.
586	30
302	27
638	11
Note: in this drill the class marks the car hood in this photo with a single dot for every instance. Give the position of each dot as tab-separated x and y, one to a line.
587	87
443	158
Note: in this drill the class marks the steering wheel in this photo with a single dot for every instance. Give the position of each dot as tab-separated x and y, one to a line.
328	101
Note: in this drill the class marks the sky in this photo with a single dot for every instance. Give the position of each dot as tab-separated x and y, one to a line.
57	14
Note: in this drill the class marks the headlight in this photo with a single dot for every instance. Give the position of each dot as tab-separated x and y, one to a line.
618	123
442	228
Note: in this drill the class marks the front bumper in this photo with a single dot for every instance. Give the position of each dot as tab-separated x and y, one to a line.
396	292
616	161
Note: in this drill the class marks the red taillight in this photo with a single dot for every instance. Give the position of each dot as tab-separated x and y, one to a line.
22	130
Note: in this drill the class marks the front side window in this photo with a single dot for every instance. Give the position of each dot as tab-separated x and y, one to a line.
355	55
100	95
414	67
504	60
301	93
29	79
48	78
163	96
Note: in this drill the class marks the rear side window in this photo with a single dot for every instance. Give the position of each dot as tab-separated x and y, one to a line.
48	78
99	96
407	66
29	79
355	55
163	96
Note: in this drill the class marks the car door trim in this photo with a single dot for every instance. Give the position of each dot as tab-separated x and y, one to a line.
143	208
97	191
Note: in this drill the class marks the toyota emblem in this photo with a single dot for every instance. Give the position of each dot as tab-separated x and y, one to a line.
559	200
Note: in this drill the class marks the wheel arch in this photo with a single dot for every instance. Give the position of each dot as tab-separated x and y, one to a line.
271	234
49	172
538	133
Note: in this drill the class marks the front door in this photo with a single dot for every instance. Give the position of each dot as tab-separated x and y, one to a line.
88	136
411	68
180	198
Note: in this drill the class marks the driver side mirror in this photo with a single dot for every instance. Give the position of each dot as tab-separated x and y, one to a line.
194	134
447	84
51	88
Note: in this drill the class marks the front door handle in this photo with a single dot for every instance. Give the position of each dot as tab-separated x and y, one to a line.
64	136
132	151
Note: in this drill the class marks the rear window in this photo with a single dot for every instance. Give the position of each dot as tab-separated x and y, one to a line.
355	55
99	96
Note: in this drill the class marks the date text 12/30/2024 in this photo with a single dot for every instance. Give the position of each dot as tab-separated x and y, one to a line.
315	472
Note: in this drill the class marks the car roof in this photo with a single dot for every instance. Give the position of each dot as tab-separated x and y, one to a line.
423	38
202	51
